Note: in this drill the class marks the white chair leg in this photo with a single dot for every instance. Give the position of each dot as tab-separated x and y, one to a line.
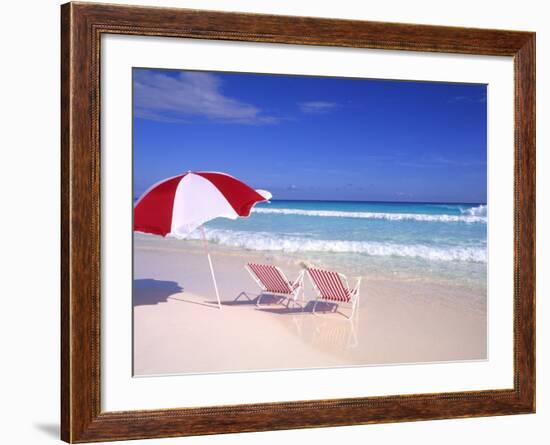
294	297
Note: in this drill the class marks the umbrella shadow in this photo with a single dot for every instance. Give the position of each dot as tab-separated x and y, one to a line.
211	304
148	291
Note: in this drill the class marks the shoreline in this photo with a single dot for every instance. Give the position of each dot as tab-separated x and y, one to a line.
385	268
399	321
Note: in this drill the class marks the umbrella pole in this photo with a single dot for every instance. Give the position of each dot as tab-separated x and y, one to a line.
211	267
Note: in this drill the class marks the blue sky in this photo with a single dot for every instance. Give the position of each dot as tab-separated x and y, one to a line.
314	137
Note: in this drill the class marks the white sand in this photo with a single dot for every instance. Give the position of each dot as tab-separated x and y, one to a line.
178	328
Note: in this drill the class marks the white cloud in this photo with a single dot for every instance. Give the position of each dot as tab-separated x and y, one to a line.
317	107
162	97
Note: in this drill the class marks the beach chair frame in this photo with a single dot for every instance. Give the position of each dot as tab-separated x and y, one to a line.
294	287
354	294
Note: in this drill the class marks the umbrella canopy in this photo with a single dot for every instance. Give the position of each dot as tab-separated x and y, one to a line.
180	204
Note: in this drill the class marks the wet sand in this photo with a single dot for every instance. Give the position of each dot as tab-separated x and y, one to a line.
178	328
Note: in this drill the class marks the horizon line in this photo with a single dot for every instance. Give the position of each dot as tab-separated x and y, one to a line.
375	201
384	201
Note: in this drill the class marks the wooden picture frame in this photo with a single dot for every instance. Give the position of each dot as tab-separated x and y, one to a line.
82	25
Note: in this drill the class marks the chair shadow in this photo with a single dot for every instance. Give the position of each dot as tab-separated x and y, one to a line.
288	308
150	292
293	308
243	299
250	299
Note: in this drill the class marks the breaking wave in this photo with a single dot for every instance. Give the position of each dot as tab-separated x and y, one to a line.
480	211
284	243
472	215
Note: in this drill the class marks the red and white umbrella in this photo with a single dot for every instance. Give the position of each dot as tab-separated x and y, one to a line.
179	205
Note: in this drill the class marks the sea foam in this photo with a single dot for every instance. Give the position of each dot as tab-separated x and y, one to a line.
284	243
480	211
473	215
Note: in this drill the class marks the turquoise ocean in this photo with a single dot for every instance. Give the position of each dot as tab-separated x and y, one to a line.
444	243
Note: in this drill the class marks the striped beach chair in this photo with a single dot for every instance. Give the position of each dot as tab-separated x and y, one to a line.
273	281
333	287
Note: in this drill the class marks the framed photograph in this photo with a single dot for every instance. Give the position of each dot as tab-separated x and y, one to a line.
275	222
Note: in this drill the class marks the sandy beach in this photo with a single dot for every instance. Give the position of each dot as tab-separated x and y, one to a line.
178	328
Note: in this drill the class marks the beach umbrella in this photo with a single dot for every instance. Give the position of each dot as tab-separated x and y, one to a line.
178	205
